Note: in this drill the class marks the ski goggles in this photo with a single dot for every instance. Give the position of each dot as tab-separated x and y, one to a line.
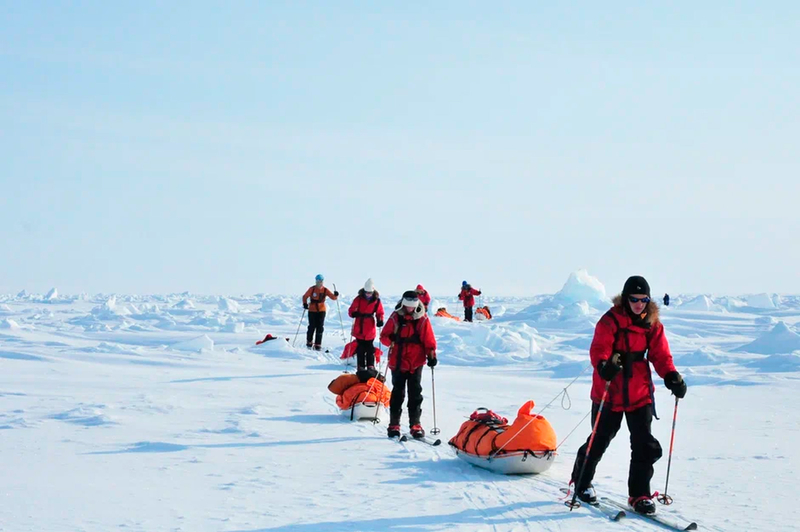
638	299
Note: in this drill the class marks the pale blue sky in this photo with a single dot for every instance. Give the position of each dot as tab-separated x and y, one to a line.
243	147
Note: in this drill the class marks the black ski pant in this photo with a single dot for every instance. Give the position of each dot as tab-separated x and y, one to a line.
316	324
365	353
645	449
467	313
401	380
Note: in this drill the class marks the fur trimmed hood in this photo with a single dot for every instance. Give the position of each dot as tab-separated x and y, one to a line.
418	313
651	311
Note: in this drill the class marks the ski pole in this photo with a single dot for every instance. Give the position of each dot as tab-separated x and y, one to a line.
298	327
664	498
573	504
339	309
435	430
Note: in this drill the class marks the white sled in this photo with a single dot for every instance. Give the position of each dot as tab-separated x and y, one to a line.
365	411
514	463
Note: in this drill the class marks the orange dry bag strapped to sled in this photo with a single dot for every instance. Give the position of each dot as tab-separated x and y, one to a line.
362	400
442	313
483	313
526	446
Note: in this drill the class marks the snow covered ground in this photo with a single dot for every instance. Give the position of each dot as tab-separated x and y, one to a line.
150	413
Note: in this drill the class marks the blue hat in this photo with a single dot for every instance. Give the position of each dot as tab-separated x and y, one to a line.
319	277
464	283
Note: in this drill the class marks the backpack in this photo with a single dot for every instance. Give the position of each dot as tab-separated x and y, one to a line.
487	417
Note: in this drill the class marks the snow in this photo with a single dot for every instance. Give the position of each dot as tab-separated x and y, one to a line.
701	303
51	295
780	339
227	304
184	304
778	363
580	301
198	343
140	413
8	323
110	309
581	286
760	301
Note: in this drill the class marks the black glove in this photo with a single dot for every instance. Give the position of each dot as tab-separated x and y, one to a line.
675	383
393	337
608	369
432	361
336	293
305	306
379	322
479	292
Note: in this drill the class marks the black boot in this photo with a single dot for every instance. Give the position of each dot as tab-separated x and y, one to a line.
643	505
587	495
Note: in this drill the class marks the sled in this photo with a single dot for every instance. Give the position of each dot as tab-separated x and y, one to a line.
513	463
360	400
483	314
365	412
525	447
442	313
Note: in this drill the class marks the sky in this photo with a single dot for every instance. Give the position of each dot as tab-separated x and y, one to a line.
243	147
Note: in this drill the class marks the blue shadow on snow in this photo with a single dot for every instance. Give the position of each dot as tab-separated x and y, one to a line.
311	419
477	517
163	447
238	377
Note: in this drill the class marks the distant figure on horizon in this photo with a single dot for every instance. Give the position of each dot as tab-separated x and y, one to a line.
666	300
316	310
467	295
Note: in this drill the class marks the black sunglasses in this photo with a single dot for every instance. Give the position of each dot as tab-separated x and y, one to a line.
637	299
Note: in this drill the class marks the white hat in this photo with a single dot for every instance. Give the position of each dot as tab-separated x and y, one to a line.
369	286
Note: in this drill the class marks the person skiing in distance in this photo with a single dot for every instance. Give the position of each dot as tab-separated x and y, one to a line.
367	313
666	300
467	295
411	341
627	339
424	296
314	303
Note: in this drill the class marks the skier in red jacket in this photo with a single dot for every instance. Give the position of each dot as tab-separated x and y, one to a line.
409	334
467	295
627	339
424	296
367	313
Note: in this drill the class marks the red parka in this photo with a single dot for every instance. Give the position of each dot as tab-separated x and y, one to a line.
631	388
364	311
467	296
410	337
424	296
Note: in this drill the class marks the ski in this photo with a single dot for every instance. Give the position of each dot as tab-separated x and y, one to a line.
612	512
399	439
424	439
667	521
